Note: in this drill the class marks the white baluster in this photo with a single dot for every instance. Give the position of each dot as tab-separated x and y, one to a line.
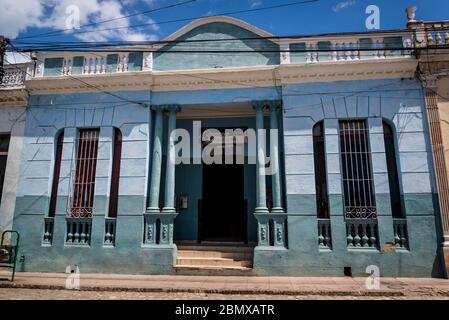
348	51
125	63
97	65
438	38
356	52
64	66
430	40
120	64
86	66
90	65
103	65
446	35
334	54
378	46
308	54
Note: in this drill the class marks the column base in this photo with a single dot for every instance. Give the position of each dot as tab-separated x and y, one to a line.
277	210
168	210
261	210
153	210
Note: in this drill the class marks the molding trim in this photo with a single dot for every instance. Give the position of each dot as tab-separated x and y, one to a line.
245	77
14	97
200	22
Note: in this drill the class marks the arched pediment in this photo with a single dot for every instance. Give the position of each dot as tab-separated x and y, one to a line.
245	45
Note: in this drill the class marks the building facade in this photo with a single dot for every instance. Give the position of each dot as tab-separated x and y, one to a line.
353	185
13	101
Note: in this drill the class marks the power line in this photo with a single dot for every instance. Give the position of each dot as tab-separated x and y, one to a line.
333	36
109	20
197	17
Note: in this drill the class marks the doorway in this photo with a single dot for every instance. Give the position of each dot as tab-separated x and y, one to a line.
222	210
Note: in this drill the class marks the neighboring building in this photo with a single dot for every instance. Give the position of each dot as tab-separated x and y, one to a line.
432	41
13	102
355	186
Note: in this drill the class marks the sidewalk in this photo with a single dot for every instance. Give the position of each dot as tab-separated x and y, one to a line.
325	286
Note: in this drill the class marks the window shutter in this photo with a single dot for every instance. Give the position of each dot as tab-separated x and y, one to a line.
78	64
53	67
298	57
111	63
393	43
135	61
366	43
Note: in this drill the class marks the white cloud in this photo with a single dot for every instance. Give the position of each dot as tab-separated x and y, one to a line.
255	3
15	18
15	57
343	5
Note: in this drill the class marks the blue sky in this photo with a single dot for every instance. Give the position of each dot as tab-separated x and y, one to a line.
31	17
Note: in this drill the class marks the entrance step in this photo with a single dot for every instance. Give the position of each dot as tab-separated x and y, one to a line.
217	258
212	271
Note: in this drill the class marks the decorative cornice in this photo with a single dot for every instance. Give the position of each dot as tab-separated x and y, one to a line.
245	77
130	81
13	97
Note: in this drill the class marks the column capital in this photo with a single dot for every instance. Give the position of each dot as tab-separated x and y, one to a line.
166	107
269	104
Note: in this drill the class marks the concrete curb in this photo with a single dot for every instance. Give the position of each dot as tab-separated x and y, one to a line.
336	293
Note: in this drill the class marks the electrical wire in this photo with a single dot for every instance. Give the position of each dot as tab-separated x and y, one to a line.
109	20
229	13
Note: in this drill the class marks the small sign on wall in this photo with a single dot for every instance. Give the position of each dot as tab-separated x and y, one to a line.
183	201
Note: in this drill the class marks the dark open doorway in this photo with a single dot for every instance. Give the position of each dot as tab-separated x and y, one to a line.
223	208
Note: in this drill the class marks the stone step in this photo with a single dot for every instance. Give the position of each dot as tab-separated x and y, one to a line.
220	248
236	255
214	262
206	270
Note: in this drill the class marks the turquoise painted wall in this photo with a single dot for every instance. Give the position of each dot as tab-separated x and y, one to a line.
166	59
400	101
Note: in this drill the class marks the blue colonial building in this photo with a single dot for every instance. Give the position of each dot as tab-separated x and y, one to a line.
354	188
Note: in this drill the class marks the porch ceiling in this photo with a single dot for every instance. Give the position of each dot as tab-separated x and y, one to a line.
216	111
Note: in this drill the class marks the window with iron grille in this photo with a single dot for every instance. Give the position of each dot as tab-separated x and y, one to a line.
358	188
320	171
56	172
4	146
85	169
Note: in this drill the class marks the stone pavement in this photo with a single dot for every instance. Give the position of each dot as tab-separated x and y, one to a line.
235	285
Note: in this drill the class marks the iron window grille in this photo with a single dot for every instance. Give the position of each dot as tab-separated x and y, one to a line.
85	171
358	188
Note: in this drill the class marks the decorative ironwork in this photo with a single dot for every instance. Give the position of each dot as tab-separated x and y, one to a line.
85	170
358	187
360	212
